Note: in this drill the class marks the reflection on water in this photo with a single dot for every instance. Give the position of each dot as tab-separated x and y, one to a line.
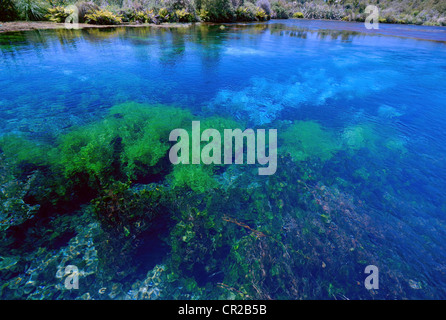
360	177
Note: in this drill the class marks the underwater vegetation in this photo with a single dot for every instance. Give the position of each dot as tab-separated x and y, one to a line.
231	235
306	139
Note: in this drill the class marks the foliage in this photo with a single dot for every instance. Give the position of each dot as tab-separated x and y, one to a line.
31	10
217	10
307	139
58	14
84	8
298	15
138	16
261	15
245	13
265	6
103	17
184	16
164	15
124	214
24	151
196	177
278	10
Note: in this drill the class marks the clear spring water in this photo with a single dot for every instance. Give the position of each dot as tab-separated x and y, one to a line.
380	93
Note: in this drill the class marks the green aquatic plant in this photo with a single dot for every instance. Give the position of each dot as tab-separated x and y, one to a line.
144	131
124	213
198	178
86	154
23	151
128	143
308	139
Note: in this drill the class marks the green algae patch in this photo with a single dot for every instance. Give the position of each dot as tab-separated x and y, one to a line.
376	139
126	144
308	139
199	178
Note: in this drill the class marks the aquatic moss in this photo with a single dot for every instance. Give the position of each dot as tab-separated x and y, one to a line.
22	150
360	136
124	145
307	139
199	178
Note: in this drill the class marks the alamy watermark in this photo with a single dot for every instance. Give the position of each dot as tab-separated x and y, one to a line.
72	21
71	277
372	280
372	20
212	152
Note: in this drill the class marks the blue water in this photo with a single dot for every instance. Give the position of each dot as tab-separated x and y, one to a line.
389	81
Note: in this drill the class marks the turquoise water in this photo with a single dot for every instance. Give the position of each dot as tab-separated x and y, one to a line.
360	180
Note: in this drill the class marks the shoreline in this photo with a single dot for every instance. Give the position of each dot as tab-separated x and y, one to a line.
17	26
20	26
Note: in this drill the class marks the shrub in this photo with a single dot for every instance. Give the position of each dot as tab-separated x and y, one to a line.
174	5
31	10
298	15
265	5
164	15
278	11
261	15
141	17
245	13
204	15
103	17
85	8
184	16
217	10
58	14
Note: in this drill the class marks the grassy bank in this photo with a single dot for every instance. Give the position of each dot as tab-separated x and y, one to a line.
117	12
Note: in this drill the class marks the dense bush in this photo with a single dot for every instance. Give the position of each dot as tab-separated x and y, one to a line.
103	17
58	14
85	8
278	10
298	15
265	6
31	10
217	10
246	13
184	16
